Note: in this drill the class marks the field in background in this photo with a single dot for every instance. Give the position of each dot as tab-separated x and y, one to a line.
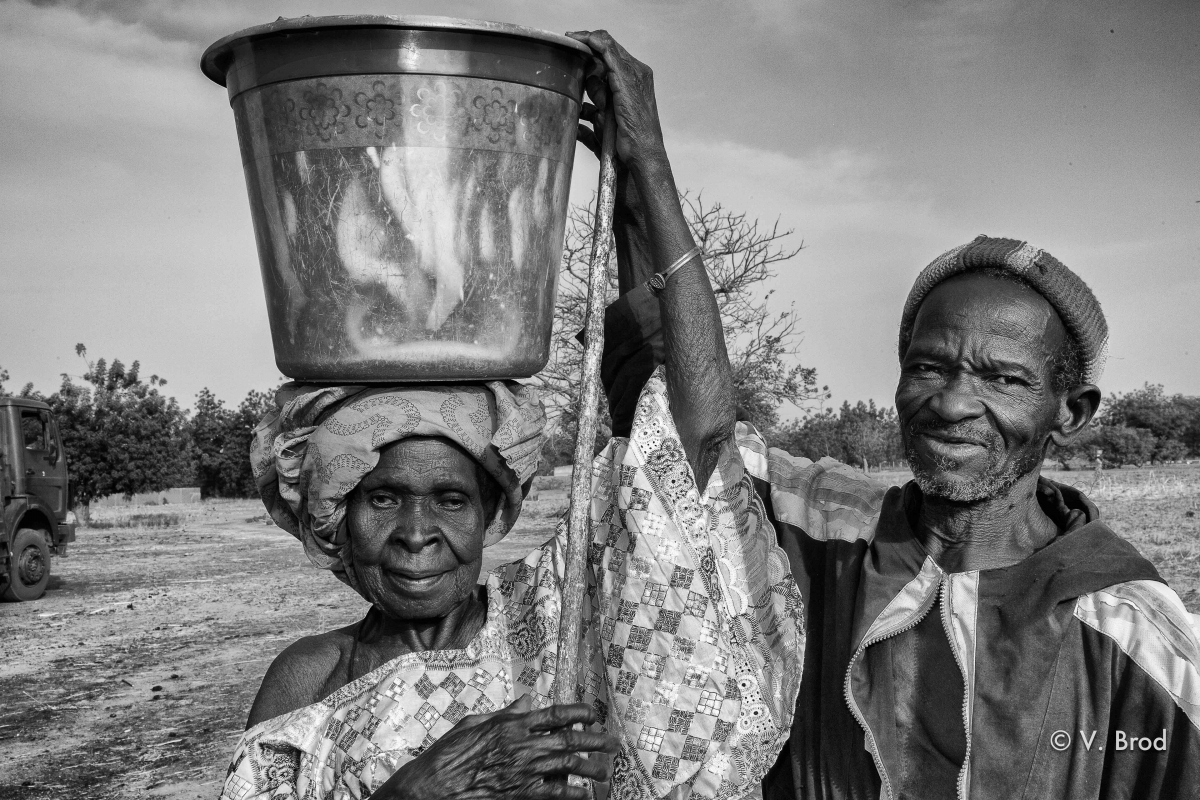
1157	509
133	676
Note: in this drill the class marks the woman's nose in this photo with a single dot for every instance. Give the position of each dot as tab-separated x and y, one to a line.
957	399
416	528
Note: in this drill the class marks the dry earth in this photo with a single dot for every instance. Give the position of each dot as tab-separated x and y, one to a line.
131	678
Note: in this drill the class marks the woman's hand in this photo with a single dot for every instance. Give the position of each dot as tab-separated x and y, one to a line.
513	753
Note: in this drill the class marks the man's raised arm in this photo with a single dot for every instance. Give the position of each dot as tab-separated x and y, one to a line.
699	378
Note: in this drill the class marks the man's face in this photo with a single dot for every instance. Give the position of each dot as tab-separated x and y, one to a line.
976	398
416	525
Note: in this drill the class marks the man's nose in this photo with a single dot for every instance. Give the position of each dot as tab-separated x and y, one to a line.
957	400
416	528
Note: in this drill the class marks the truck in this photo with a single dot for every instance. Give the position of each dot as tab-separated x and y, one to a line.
34	484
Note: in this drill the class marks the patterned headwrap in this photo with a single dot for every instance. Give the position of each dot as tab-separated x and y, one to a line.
311	452
1077	307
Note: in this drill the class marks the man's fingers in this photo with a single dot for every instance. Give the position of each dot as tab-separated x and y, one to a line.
588	139
604	45
597	89
547	719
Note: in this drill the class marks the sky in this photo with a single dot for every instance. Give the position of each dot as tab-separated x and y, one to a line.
882	133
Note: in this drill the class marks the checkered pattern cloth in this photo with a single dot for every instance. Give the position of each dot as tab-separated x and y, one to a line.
693	640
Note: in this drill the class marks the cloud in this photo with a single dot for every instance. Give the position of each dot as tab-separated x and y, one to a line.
820	191
197	23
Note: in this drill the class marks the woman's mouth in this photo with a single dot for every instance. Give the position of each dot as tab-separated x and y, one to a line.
414	580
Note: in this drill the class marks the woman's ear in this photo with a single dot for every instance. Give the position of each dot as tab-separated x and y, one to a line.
1076	410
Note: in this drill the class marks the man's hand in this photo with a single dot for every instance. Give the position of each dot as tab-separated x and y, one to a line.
512	754
635	264
653	234
629	86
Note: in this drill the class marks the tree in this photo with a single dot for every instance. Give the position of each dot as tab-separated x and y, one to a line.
814	437
221	437
1173	421
861	434
1121	445
869	435
740	255
120	433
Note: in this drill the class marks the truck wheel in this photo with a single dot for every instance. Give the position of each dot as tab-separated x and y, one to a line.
29	567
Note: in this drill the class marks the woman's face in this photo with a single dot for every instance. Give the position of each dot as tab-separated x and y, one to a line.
416	525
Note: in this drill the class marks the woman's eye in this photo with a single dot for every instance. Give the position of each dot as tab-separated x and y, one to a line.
453	502
382	501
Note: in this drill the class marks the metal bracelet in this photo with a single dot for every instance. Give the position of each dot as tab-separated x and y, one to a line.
659	281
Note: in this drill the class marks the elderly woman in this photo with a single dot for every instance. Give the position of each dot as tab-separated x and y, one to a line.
692	637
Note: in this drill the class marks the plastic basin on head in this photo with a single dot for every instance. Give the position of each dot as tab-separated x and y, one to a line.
408	182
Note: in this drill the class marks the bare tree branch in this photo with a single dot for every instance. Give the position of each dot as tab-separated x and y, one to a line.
763	342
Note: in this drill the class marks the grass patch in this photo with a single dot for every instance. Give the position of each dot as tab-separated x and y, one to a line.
139	521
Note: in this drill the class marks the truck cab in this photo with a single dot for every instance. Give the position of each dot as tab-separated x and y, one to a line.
37	519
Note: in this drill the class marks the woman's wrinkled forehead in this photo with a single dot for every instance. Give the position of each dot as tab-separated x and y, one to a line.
424	463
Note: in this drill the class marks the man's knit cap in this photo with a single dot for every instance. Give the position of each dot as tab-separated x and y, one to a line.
1077	307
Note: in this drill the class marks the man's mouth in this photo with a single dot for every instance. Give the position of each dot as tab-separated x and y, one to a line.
947	438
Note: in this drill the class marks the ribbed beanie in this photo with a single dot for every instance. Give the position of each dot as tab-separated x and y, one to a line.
1063	289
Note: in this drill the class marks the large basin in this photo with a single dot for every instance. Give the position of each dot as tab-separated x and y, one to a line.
408	181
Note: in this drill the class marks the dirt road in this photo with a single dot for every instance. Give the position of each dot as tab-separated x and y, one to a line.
132	677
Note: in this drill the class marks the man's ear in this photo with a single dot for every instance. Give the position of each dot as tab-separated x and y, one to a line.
1076	410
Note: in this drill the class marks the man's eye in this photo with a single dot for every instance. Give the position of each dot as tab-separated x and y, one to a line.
453	502
382	501
1007	380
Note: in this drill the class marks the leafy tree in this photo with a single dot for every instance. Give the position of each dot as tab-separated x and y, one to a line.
1121	445
870	435
762	341
26	391
814	437
208	426
1173	421
120	433
1114	445
221	437
1169	450
863	434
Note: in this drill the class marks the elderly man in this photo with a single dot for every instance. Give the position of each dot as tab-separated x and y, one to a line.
977	632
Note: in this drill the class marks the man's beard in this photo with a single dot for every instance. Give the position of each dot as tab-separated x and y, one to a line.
997	479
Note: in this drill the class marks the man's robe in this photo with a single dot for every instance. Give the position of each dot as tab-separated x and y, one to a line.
1021	682
1058	662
